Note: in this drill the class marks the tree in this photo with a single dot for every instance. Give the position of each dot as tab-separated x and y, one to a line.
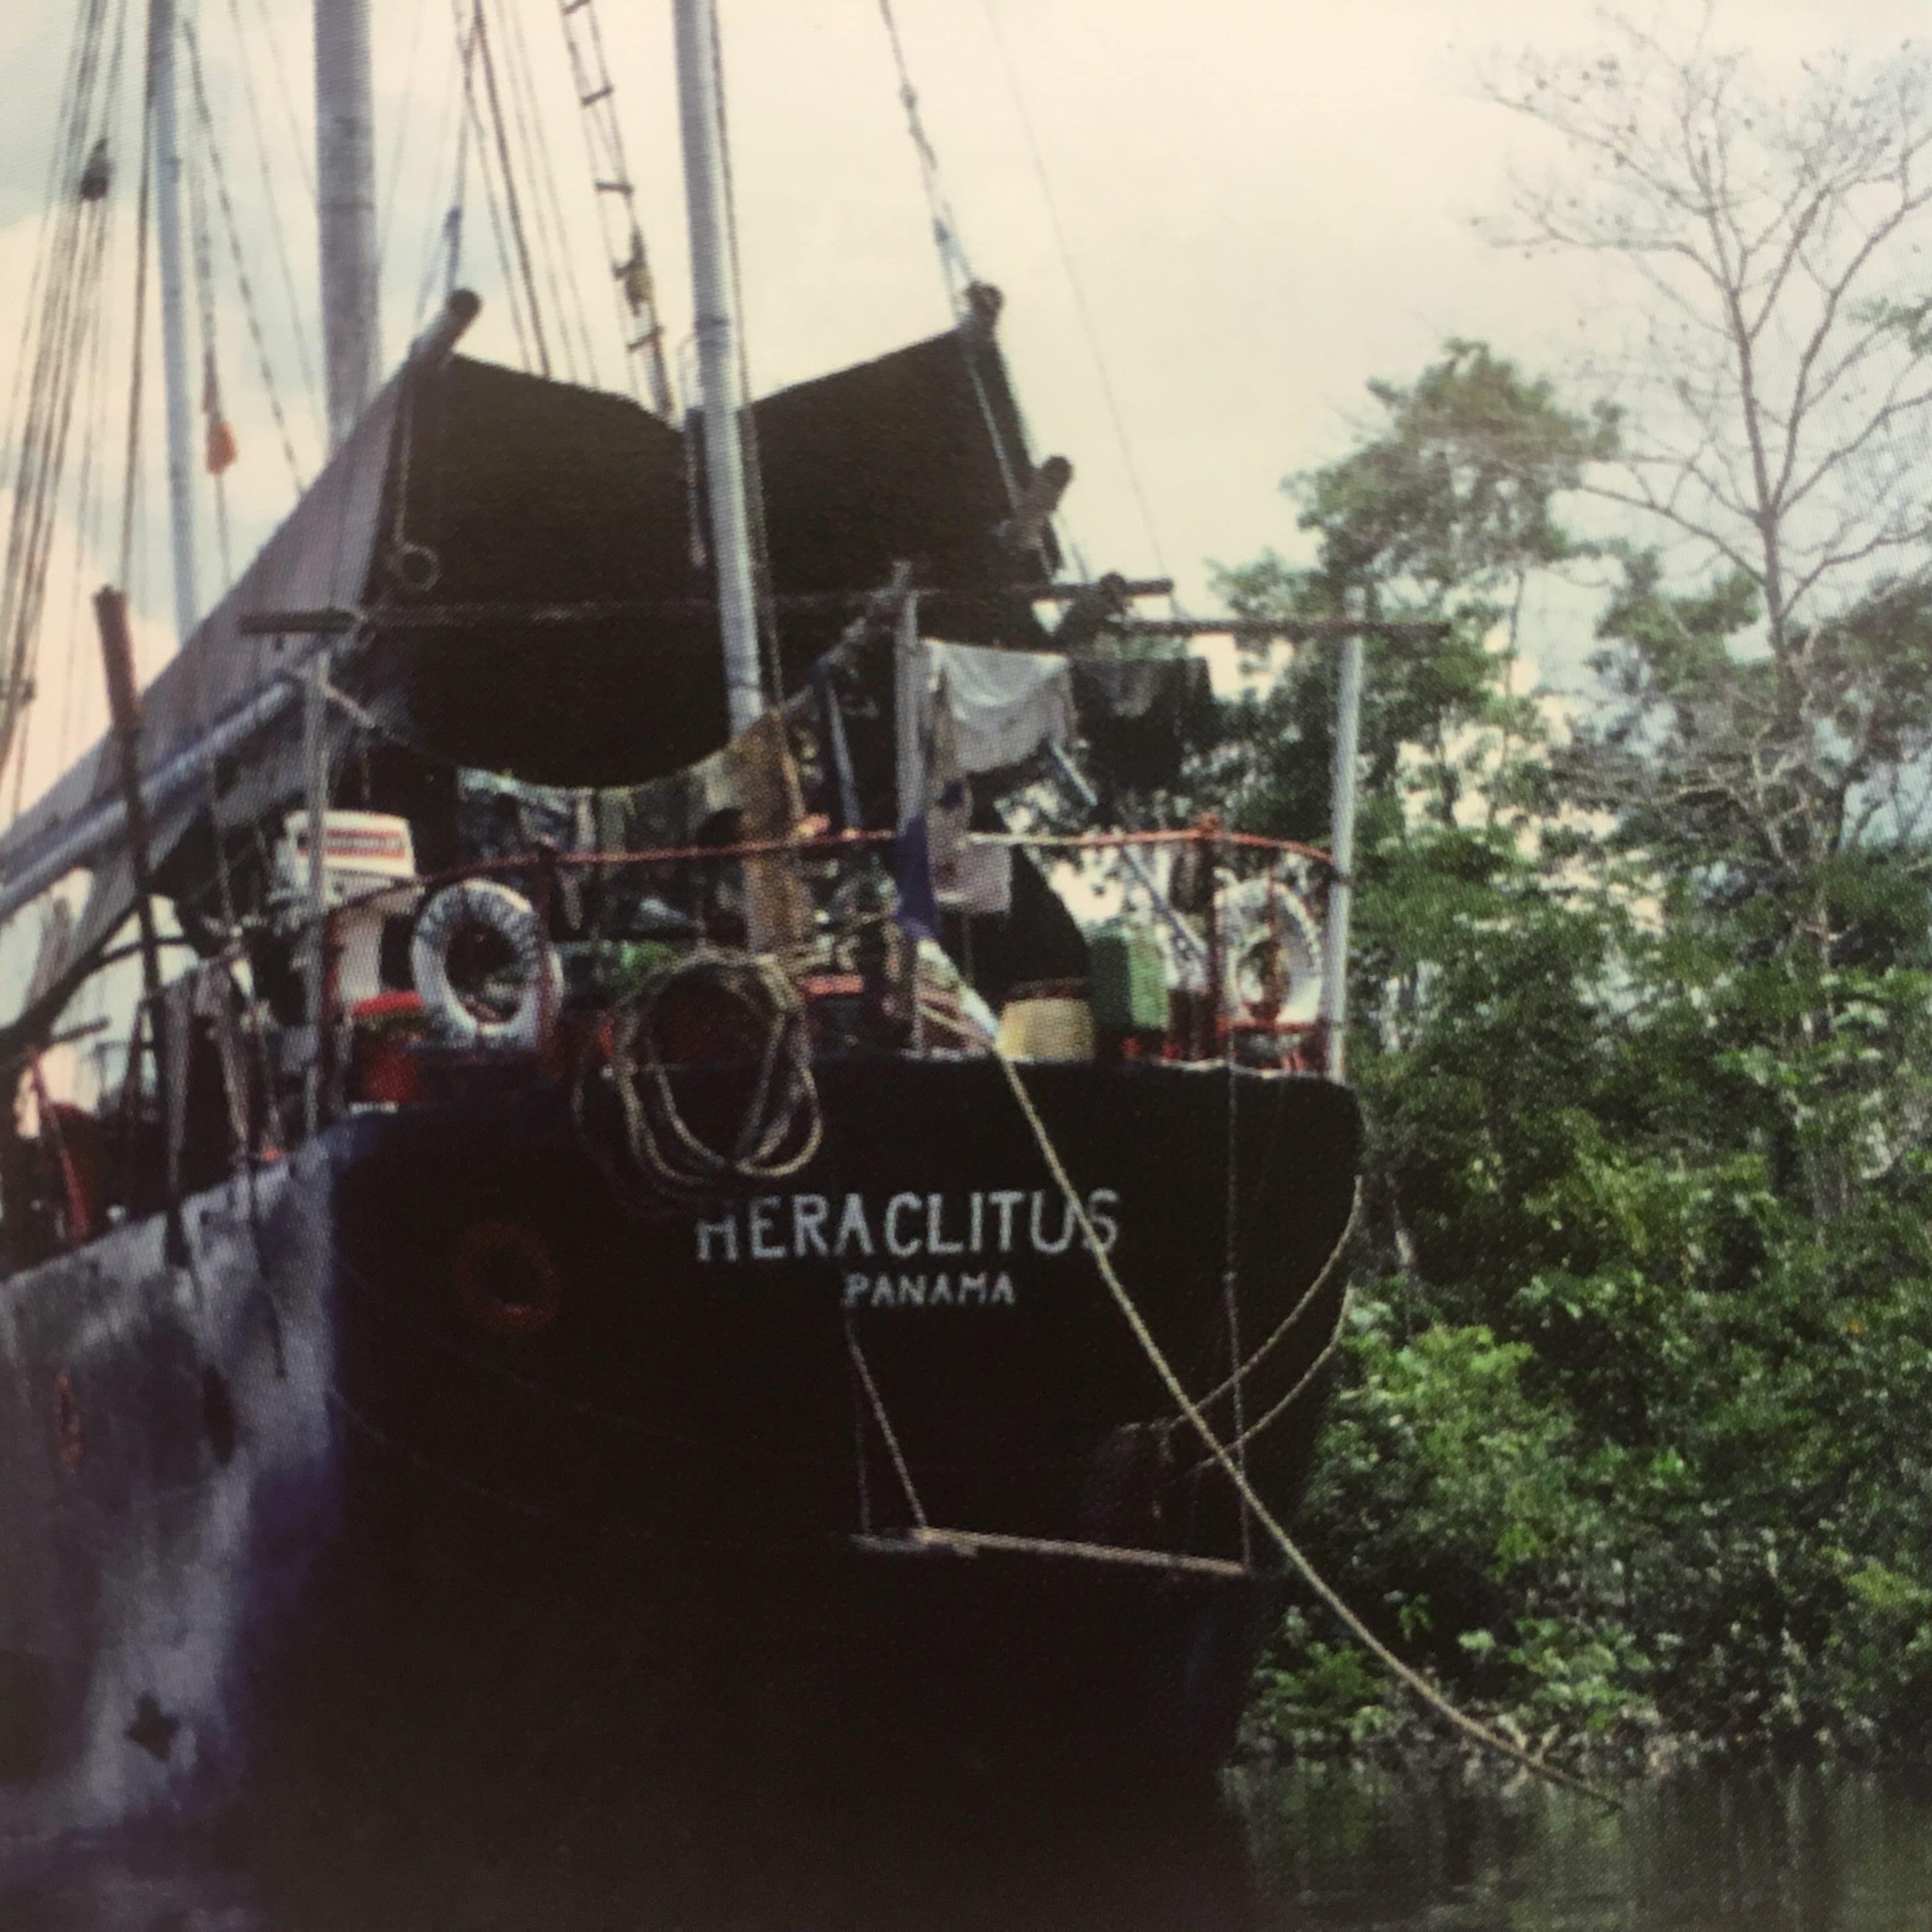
1774	406
1444	510
1624	1442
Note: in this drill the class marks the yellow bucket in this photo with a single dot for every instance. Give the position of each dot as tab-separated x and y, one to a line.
1051	1029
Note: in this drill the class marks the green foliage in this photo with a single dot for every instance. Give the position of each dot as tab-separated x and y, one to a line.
1630	1446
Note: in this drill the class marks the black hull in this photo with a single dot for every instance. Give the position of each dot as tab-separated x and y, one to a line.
363	1498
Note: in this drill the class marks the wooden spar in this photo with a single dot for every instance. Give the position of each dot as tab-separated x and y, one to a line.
1290	630
123	706
337	620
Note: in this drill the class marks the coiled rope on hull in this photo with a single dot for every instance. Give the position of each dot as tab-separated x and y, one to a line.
782	1124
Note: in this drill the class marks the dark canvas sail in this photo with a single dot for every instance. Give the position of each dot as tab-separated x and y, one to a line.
526	493
526	561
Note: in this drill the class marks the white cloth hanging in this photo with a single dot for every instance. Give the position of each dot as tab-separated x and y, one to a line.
1005	705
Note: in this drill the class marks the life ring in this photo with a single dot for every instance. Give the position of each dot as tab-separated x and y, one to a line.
1267	934
488	1252
490	907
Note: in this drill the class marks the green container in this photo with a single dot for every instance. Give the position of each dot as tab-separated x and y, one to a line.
1127	979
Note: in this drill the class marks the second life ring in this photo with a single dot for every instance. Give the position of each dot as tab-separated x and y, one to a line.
506	1278
1273	951
515	995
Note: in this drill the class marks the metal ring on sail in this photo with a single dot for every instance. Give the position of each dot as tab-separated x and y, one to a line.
1273	950
485	906
415	565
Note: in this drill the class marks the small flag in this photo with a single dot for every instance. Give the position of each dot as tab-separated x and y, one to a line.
221	450
912	873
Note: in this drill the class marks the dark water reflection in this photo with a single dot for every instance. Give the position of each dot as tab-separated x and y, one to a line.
1313	1848
1798	1852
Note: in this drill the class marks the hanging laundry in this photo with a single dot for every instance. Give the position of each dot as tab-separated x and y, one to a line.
1006	706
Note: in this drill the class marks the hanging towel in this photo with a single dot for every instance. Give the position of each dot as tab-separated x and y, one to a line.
1005	705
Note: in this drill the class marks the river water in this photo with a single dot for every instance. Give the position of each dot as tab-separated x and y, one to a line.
1313	1848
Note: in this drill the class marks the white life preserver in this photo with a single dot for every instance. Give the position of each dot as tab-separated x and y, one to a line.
485	903
1259	916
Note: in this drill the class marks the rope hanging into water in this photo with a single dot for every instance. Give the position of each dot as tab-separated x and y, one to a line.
1407	1674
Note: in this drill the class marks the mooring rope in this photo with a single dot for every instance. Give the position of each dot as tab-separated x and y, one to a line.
859	1362
1323	1590
1280	1332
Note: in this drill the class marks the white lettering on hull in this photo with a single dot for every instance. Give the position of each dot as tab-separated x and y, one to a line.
948	1228
983	1290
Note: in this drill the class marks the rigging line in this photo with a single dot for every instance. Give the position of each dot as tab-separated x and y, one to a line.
442	242
30	538
544	243
202	251
954	267
87	534
543	172
131	483
43	367
62	172
1302	1382
404	122
1086	314
633	296
32	601
1230	1284
291	119
470	42
219	452
298	310
1309	1296
858	1359
441	216
511	203
249	307
72	124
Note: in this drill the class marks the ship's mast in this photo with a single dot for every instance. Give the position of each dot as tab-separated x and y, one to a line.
345	175
1334	1010
714	296
162	69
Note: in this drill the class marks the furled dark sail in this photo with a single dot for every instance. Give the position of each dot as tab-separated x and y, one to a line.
526	562
522	492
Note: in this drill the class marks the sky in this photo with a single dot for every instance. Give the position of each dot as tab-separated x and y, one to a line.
1215	221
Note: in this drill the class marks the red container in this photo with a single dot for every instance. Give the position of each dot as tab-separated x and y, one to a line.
383	1069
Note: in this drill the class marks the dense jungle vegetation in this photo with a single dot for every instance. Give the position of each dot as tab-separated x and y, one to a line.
1629	1446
